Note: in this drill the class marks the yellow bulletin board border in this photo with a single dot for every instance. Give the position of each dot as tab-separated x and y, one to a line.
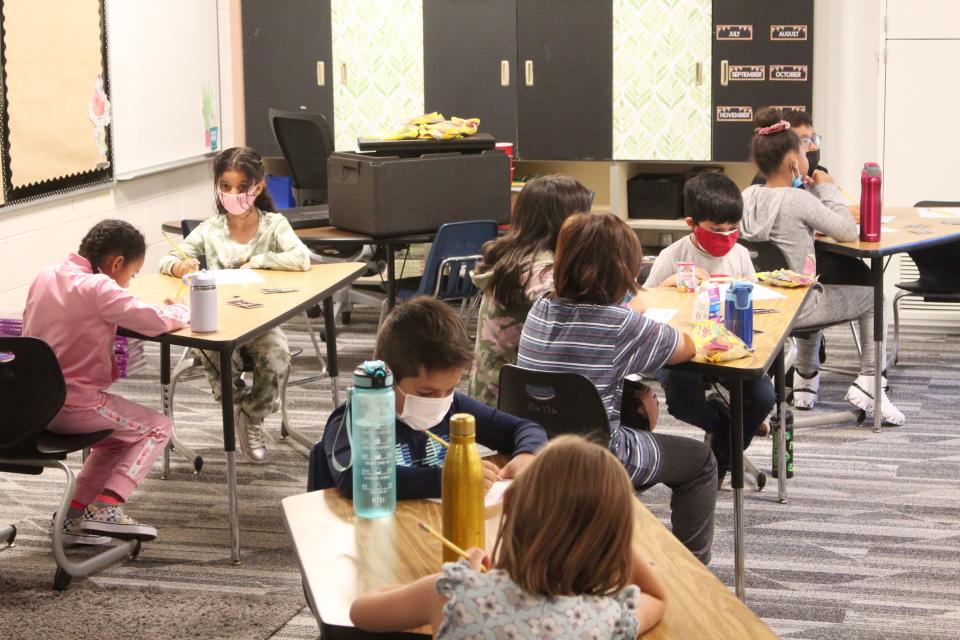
55	185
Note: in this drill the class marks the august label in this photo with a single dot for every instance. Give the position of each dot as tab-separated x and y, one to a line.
788	32
747	72
735	114
789	72
734	32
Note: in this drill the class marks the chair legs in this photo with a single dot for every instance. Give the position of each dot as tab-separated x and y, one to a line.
8	535
183	369
895	356
750	470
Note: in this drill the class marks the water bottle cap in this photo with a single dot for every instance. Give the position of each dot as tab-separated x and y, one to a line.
372	374
462	424
742	292
200	279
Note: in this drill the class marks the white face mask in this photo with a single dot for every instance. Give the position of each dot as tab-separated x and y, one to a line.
420	413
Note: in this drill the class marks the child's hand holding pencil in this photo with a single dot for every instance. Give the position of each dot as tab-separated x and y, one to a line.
474	555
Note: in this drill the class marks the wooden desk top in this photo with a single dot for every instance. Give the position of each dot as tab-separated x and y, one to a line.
775	327
342	557
236	324
936	231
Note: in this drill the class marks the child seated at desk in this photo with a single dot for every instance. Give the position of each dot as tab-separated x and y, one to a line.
789	217
426	346
714	207
564	564
584	327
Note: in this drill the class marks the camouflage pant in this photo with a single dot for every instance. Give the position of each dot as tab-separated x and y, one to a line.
270	355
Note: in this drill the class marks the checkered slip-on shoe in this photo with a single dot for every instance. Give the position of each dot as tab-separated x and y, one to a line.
74	535
110	520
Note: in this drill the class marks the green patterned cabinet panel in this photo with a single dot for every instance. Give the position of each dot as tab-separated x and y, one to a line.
377	66
661	79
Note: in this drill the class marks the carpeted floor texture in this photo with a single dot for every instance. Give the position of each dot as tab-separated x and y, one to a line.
868	546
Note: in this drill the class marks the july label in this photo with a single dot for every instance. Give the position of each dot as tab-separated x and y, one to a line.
790	72
788	32
747	72
735	114
734	32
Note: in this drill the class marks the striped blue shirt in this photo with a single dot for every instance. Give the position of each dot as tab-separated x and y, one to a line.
603	343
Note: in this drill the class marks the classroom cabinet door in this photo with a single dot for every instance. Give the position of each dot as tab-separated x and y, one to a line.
286	64
762	56
565	68
469	62
378	66
661	84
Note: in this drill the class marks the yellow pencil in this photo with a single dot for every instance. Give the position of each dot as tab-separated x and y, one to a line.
175	246
449	545
437	438
849	197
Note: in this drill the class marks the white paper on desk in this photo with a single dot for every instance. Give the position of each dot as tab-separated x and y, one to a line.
236	276
888	230
943	212
493	497
886	219
760	292
660	314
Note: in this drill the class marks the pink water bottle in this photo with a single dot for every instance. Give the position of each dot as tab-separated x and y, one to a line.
871	180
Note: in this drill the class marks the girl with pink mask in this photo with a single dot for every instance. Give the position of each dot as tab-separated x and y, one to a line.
246	234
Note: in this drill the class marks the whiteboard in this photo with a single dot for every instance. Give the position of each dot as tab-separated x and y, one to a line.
164	83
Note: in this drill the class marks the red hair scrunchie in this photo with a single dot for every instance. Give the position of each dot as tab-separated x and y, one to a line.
783	125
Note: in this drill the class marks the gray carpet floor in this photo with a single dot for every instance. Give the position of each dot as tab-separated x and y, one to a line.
867	546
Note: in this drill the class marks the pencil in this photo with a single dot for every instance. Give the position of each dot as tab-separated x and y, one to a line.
849	197
449	545
175	246
437	438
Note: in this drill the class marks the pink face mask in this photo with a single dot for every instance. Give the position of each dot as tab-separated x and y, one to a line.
237	203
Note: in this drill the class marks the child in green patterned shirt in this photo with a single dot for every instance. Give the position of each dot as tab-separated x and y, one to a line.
245	234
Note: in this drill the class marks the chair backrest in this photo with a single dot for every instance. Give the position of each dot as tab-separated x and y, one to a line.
455	250
937	265
561	402
766	255
187	226
306	143
32	391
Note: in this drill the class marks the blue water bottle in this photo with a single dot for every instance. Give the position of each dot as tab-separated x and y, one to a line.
372	429
738	311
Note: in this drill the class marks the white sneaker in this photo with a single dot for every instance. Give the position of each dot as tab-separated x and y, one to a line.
251	437
73	533
805	390
860	395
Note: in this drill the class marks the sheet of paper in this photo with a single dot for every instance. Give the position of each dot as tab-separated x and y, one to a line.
886	219
938	212
493	497
237	276
760	292
660	314
888	230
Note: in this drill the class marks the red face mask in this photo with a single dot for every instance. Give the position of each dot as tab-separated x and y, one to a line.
716	243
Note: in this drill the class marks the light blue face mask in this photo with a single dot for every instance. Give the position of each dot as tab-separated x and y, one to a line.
797	182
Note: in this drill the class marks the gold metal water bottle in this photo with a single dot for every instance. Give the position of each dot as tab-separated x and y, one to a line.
462	488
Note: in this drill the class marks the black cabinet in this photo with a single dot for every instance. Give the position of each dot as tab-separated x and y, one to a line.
565	72
470	62
287	55
762	56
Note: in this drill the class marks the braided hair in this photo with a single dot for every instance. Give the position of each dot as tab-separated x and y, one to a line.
112	238
248	162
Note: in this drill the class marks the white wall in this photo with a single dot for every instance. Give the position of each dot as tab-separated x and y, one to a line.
35	236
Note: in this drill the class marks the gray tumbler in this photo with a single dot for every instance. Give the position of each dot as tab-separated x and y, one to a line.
203	301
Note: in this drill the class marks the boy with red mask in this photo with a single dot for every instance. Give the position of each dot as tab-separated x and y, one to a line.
714	206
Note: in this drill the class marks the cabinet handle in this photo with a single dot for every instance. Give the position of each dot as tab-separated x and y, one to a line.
343	73
698	73
504	73
724	73
321	73
528	72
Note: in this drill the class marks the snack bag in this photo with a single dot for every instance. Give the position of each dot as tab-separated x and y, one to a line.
786	278
686	277
715	343
708	304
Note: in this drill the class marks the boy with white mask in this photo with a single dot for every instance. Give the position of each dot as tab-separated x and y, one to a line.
426	346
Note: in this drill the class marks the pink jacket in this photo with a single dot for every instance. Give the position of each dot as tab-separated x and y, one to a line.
77	311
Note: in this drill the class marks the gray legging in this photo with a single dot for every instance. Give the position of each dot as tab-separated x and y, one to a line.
832	303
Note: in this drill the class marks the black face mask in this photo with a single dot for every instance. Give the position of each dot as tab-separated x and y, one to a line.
813	158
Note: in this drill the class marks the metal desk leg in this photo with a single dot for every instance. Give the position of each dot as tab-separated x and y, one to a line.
230	446
391	278
736	463
876	270
165	407
780	377
333	369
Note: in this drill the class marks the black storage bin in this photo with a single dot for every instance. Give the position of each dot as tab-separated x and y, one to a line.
388	196
655	195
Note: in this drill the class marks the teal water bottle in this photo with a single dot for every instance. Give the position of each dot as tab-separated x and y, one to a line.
373	416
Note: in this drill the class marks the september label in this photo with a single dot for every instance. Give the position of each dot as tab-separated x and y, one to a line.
735	114
747	72
788	32
734	32
789	72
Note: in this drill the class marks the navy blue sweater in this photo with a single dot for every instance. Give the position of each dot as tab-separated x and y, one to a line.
420	459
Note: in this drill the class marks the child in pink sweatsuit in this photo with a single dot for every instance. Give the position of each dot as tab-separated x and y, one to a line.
75	307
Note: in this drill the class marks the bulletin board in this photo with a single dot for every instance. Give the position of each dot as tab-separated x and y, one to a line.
54	131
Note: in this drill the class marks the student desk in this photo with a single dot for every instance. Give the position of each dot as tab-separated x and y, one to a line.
238	326
912	232
774	329
342	556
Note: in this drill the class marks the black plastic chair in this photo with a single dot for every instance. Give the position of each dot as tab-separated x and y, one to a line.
305	140
32	392
939	276
561	402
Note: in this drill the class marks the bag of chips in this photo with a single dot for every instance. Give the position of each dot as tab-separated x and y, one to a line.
786	278
717	344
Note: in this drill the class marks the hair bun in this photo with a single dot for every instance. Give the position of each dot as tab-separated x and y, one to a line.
768	116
